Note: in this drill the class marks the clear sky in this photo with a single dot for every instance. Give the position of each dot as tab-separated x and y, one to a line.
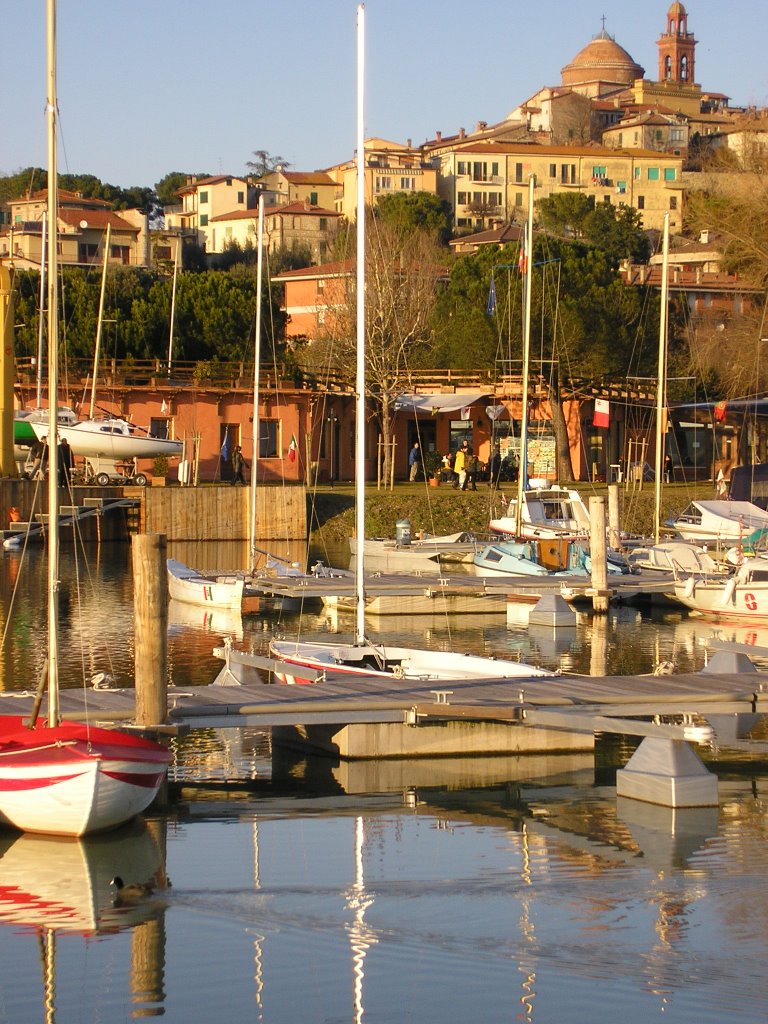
147	87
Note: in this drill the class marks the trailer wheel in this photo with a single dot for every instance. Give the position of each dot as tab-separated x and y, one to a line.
102	479
140	480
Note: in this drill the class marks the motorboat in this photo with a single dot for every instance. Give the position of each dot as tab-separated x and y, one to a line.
719	520
546	512
743	595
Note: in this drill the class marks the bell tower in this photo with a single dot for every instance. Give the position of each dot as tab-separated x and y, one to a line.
677	48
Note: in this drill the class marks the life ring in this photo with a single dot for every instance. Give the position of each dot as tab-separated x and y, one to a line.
750	602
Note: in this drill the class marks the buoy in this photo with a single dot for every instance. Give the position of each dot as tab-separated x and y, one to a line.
14	516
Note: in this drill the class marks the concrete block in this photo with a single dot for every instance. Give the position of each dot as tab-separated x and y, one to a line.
669	773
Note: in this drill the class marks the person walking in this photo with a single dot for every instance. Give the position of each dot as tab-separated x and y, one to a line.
238	466
414	462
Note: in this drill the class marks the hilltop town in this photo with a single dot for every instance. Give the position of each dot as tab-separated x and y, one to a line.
610	136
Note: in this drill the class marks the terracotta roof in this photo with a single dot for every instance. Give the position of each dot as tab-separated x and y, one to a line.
340	269
193	186
293	208
308	177
65	196
499	236
96	219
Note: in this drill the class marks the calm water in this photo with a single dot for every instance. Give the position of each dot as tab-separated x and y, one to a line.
492	890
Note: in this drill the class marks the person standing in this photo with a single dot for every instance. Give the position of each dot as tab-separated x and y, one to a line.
472	471
414	462
65	463
460	467
238	466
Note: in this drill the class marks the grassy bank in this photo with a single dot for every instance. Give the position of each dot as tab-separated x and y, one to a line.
444	510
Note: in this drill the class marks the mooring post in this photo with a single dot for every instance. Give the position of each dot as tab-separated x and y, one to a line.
150	607
614	516
598	554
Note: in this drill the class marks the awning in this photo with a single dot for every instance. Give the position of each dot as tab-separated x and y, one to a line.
431	405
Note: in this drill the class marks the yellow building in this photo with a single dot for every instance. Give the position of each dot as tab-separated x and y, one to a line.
82	226
389	168
203	199
281	187
287	225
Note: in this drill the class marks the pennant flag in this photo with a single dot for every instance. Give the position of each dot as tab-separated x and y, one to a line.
224	453
602	413
522	260
490	309
720	410
164	407
493	412
292	449
466	412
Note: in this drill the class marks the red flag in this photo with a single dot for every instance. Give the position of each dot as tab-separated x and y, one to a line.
522	259
292	449
720	412
602	414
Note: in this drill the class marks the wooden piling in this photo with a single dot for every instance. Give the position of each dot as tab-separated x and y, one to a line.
598	554
150	605
614	516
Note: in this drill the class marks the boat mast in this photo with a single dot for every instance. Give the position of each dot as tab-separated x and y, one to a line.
360	332
173	304
41	325
53	375
100	323
661	387
256	384
522	473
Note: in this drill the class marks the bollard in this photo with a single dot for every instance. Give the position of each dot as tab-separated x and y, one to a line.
150	606
598	554
614	516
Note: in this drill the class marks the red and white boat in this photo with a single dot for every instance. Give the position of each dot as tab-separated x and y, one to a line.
74	779
66	778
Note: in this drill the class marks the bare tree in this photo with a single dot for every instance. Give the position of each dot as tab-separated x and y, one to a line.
402	270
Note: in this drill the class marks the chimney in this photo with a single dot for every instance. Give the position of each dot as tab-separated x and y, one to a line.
438	136
704	236
409	143
462	133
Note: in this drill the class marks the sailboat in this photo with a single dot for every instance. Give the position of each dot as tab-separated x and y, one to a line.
363	658
66	778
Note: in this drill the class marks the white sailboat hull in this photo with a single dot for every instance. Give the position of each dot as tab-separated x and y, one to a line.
373	661
113	439
191	587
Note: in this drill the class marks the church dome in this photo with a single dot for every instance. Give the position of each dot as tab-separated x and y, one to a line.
602	60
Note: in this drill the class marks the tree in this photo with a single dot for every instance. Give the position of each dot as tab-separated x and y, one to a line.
412	211
564	213
265	163
402	272
167	189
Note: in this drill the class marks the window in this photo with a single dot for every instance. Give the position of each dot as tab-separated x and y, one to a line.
478	171
518	172
620	139
159	427
163	252
641	202
637	172
268	434
323	223
203	220
598	172
553	170
463	167
659	135
676	135
518	198
240	198
406	184
653	174
495	169
673	202
667	67
670	174
203	197
462	198
229	181
313	198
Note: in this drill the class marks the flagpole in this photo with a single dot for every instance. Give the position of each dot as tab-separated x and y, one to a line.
256	385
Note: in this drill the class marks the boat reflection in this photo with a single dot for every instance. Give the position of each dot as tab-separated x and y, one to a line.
217	622
64	884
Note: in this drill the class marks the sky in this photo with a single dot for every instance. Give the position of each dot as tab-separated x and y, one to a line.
147	87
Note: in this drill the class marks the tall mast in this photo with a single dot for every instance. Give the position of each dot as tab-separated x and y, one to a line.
522	474
41	326
256	384
661	388
173	303
360	332
53	374
100	322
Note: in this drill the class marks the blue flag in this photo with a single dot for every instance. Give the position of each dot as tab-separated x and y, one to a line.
224	453
490	309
